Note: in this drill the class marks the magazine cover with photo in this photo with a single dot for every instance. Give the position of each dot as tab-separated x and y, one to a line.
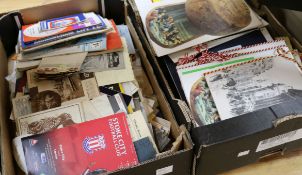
202	104
253	86
179	24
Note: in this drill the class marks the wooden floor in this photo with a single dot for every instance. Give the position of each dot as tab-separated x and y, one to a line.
287	165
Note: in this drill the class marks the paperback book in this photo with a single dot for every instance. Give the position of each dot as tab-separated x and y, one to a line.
98	146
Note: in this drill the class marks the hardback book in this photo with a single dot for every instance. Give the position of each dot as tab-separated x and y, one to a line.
174	25
98	146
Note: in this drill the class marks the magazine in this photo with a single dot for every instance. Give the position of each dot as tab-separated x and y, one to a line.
94	147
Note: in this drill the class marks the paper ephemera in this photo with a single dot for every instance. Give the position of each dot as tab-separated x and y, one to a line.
253	86
90	85
61	64
104	62
171	27
21	106
117	76
44	121
139	128
47	94
196	89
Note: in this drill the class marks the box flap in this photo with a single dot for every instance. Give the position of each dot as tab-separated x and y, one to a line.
34	14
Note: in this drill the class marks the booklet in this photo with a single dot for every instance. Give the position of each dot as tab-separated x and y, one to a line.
98	146
33	32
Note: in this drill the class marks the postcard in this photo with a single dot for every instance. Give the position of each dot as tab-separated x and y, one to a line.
89	84
104	62
117	76
174	25
47	94
195	86
61	64
254	85
48	120
138	128
21	106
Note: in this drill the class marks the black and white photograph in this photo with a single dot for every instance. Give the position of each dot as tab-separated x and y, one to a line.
104	62
253	86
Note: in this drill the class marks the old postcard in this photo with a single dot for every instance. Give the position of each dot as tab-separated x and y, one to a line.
21	106
61	64
138	128
252	86
44	121
90	85
47	94
104	62
117	76
172	26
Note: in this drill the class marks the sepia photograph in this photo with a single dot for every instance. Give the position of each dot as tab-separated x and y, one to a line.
47	94
44	121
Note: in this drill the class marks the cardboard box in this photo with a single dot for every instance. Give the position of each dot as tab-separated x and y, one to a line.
179	162
237	141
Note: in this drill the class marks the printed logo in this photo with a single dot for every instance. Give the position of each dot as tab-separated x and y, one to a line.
93	144
32	142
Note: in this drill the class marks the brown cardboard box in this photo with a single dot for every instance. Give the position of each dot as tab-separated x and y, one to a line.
219	147
179	162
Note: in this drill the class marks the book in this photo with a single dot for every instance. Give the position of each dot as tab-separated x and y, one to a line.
174	25
101	145
33	32
254	85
